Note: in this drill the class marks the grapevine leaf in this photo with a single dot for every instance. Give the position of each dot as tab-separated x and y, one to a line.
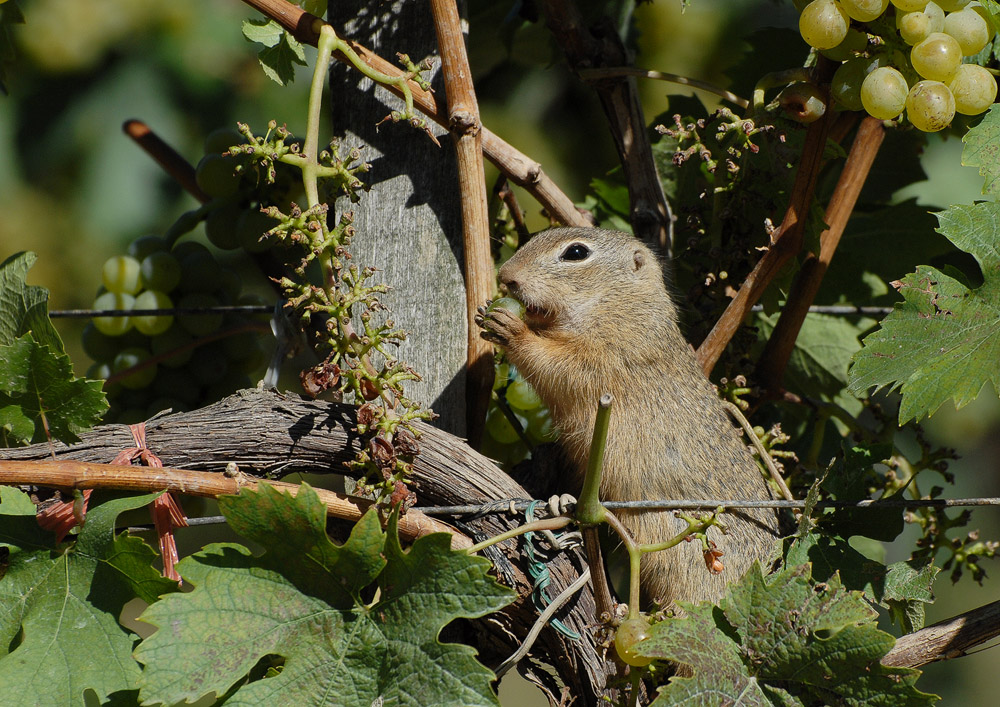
24	307
59	607
982	149
701	641
39	383
817	366
943	340
849	480
281	50
908	589
302	604
782	639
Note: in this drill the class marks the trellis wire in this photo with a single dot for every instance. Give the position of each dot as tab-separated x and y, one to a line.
834	309
162	312
520	504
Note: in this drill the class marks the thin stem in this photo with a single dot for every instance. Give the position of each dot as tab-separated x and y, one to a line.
328	41
614	71
589	510
737	415
557	523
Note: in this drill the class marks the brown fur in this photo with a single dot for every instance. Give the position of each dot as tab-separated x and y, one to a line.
606	324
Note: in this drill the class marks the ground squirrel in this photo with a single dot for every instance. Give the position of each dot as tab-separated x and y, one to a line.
599	320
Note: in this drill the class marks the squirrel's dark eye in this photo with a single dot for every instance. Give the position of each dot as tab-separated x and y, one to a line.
575	251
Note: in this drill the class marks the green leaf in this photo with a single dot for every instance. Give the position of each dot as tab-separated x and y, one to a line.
849	480
281	50
908	589
37	384
301	603
943	340
24	307
700	640
782	639
818	365
982	149
59	608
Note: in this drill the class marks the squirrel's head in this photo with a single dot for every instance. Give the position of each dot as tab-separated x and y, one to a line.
565	277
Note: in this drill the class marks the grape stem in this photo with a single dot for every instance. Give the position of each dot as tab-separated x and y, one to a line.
614	71
774	79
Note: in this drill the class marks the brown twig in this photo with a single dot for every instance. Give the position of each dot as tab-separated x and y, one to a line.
522	170
947	639
587	48
615	71
502	190
466	130
785	243
774	359
68	474
172	162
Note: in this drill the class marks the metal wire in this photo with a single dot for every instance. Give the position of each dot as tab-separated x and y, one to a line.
166	311
711	504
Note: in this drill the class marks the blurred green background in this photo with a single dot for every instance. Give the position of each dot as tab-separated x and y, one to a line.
75	190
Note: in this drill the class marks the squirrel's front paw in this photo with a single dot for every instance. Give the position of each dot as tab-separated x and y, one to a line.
500	321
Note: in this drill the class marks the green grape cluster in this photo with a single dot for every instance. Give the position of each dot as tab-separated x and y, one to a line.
238	191
505	443
162	361
904	56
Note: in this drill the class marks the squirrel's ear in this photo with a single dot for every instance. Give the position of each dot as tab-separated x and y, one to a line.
639	259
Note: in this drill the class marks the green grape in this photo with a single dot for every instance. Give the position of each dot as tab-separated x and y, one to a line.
630	633
864	10
161	271
177	384
182	250
540	426
802	102
176	337
845	87
910	5
930	106
952	5
936	57
199	324
216	176
200	272
969	29
823	24
113	326
500	377
978	8
250	228
916	26
221	139
152	324
122	273
98	371
974	89
508	303
499	427
185	223
883	93
100	347
220	225
854	43
229	287
238	347
522	396
129	358
209	364
143	246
